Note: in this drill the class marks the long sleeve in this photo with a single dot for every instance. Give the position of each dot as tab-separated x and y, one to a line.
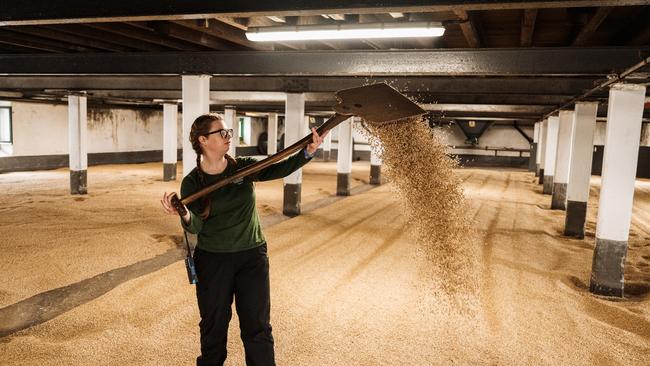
280	169
195	225
188	187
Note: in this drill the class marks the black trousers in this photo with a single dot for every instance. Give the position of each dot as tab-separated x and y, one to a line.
244	275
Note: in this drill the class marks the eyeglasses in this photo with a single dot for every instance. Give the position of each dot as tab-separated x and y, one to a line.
224	132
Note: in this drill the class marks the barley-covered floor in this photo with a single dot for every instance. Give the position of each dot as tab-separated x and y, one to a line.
348	285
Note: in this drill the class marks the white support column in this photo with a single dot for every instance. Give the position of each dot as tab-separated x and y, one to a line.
532	160
551	151
625	112
78	144
344	158
327	147
294	127
541	157
562	161
170	143
231	121
272	134
580	170
196	101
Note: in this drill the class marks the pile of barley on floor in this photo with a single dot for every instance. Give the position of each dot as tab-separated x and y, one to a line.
422	173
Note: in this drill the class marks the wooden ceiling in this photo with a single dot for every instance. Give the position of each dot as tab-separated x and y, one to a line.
495	28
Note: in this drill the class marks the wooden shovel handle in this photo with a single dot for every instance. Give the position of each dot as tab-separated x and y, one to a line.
256	167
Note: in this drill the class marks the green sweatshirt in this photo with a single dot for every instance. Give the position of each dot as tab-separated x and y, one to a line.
233	224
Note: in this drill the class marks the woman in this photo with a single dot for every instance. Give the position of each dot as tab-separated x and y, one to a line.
231	254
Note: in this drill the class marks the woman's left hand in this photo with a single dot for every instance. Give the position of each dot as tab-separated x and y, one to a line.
316	140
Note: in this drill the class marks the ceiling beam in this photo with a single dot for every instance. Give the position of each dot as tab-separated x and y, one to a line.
642	37
330	44
105	36
557	87
52	33
468	26
528	27
36	43
440	97
484	62
78	11
4	47
485	108
224	31
190	35
261	21
240	23
143	33
592	25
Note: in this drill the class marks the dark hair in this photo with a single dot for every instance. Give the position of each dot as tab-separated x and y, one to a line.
200	127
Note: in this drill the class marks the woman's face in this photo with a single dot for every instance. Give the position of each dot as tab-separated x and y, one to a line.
214	143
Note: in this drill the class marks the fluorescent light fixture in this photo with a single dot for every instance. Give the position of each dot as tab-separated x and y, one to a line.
397	15
346	31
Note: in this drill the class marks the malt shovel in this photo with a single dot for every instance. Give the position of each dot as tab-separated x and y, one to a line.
375	103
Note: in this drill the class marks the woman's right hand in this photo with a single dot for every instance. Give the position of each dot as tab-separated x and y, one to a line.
170	209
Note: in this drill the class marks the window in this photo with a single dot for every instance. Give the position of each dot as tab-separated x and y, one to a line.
245	130
5	125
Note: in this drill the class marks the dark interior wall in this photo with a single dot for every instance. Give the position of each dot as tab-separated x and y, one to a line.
643	162
26	163
493	161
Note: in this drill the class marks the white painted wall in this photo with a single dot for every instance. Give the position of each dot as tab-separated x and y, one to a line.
42	129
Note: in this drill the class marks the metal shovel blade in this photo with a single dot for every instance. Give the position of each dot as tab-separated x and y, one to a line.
376	103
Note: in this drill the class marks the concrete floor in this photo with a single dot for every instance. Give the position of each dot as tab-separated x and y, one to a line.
349	286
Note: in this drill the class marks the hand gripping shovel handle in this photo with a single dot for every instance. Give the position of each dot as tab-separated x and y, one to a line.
178	205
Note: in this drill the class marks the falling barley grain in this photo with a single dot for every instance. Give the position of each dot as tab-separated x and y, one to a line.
422	173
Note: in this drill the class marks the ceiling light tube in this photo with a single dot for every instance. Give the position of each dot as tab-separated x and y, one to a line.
346	31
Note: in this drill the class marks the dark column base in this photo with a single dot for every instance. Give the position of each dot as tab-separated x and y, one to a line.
78	179
558	200
574	222
291	201
169	172
375	174
343	184
326	155
608	267
533	157
541	176
548	184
